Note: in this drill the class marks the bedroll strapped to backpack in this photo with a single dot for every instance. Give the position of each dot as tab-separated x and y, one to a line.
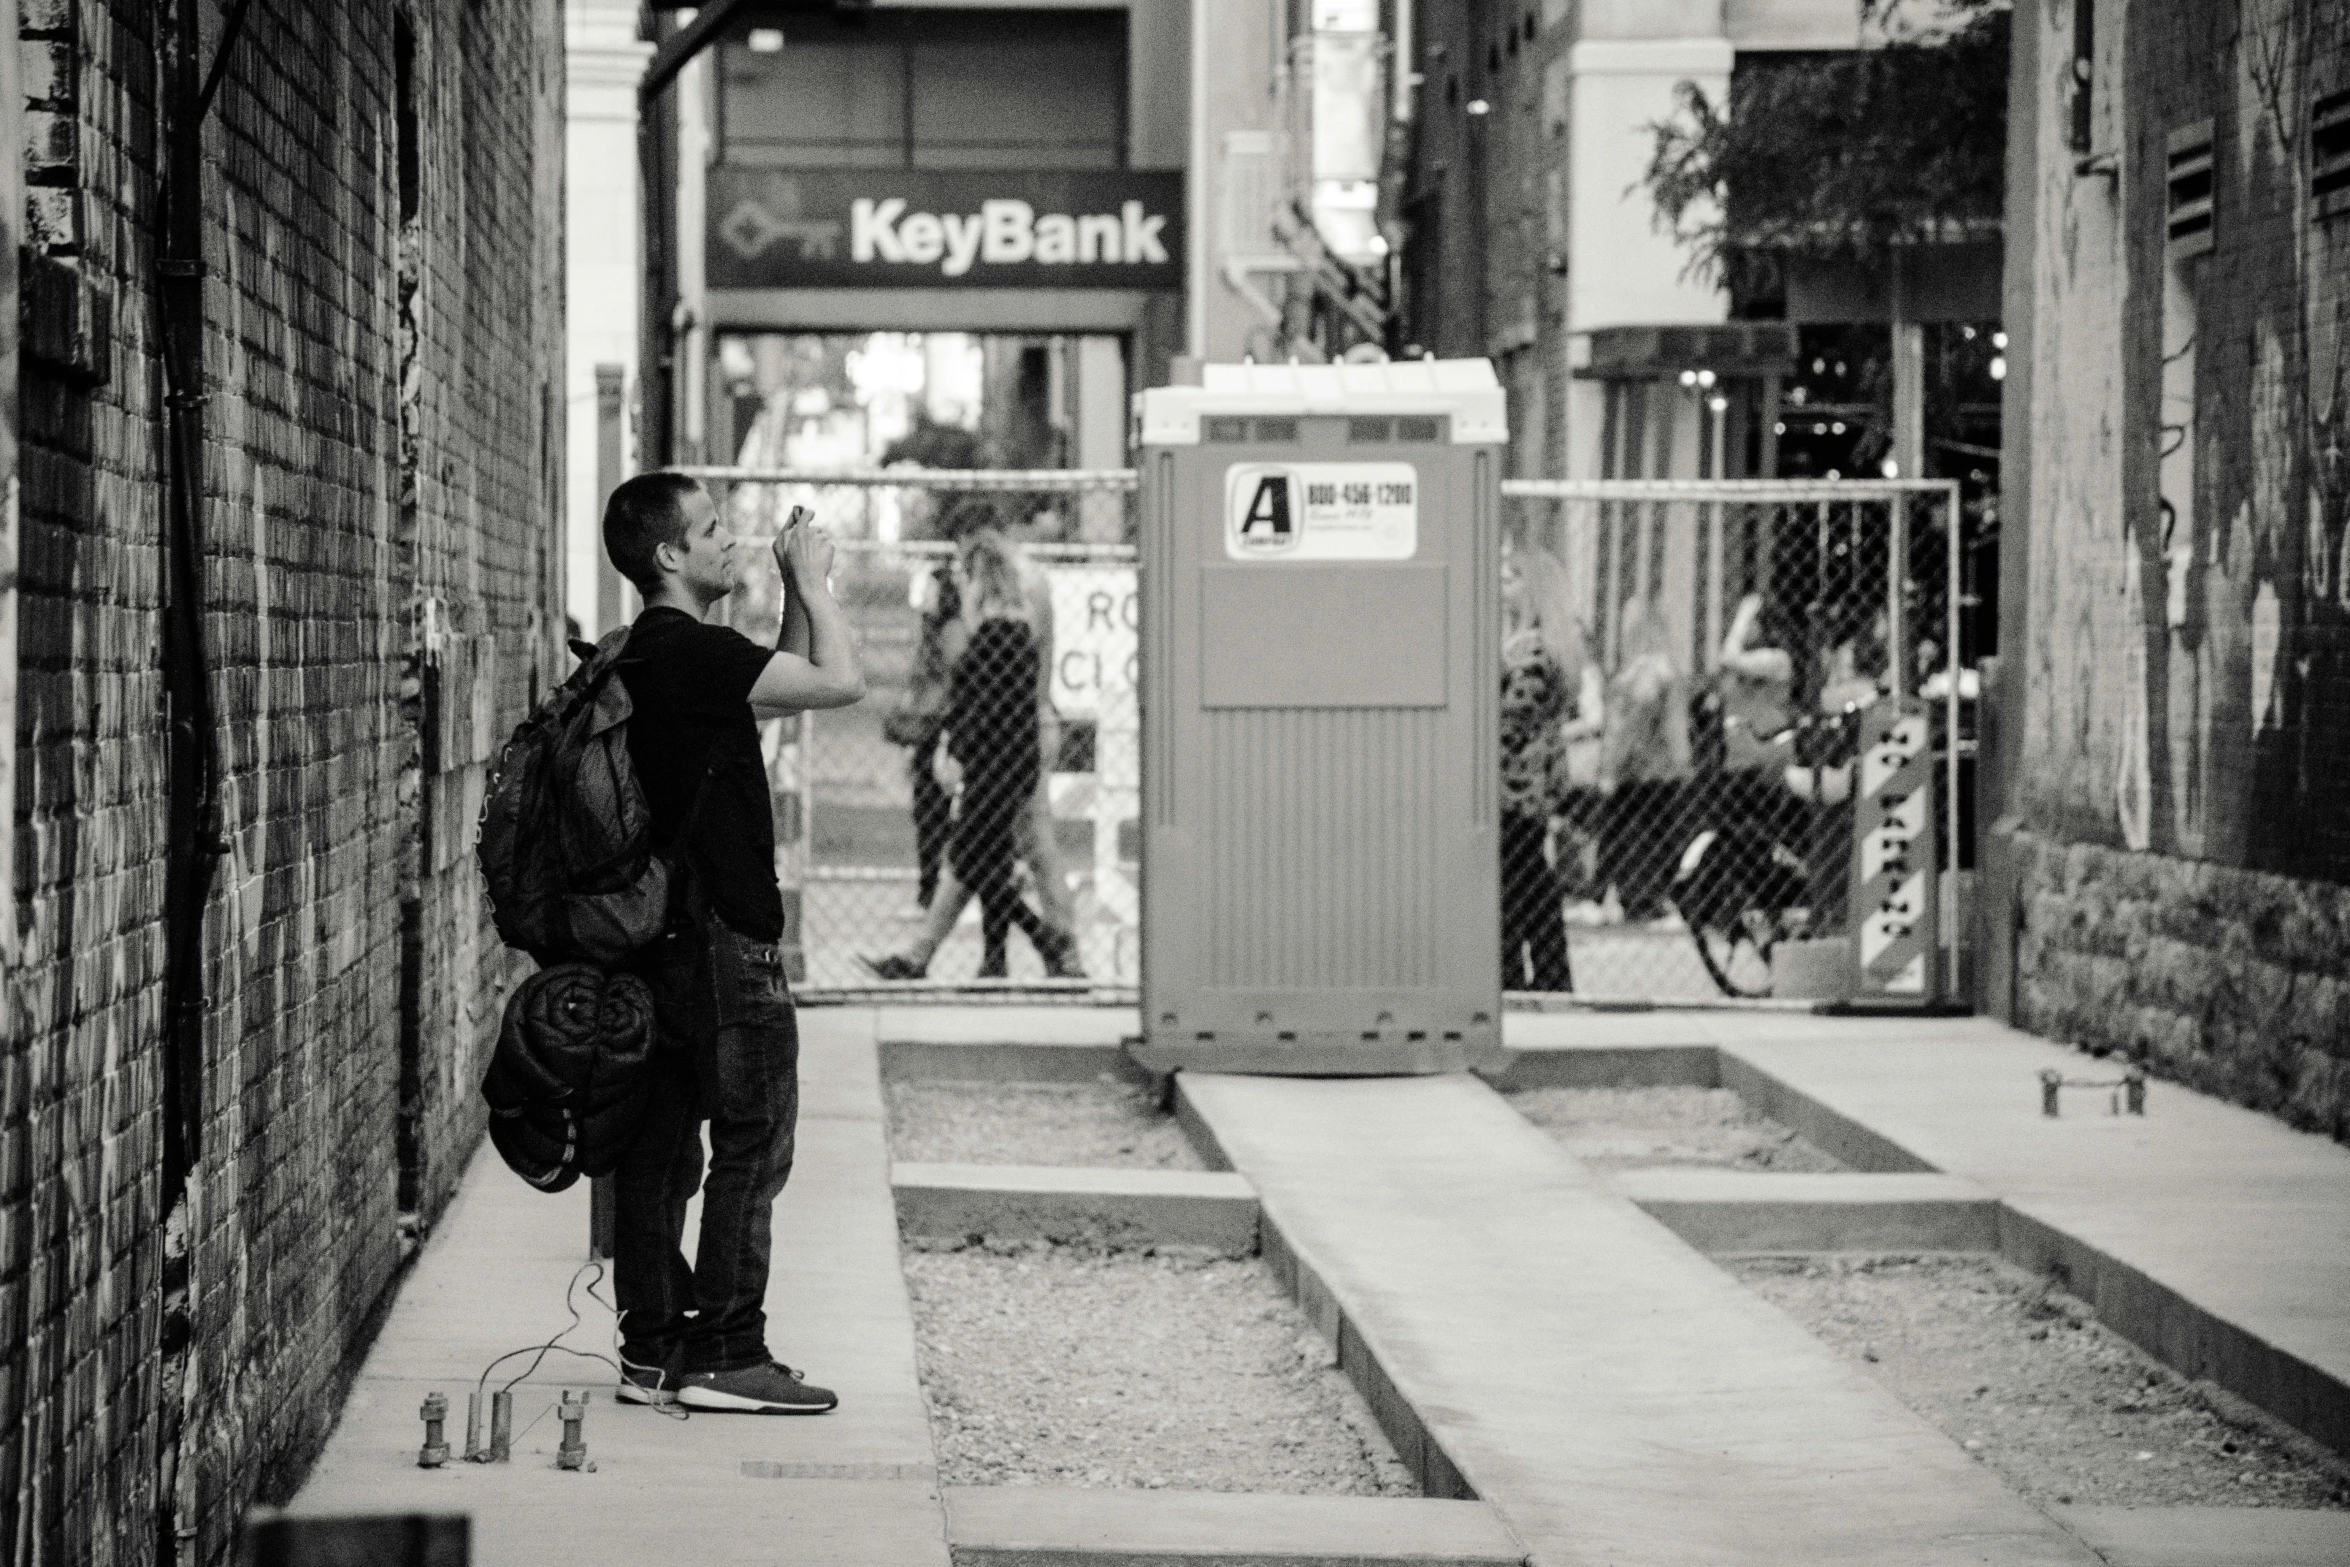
565	1085
566	842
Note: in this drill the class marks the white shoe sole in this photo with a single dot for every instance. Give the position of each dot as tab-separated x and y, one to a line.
735	1403
630	1393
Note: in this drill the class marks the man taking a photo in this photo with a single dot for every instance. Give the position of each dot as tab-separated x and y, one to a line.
729	1039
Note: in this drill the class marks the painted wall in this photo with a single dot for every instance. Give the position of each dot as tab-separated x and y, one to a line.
2174	702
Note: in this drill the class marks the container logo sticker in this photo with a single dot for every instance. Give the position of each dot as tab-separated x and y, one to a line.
1322	511
1266	525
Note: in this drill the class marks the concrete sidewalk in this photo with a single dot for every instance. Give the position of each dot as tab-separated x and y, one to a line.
1616	1398
857	1486
2216	1236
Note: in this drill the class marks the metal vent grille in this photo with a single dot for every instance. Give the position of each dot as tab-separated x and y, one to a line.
2329	151
2188	207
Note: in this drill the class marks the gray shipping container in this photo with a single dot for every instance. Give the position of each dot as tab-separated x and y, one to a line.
1320	685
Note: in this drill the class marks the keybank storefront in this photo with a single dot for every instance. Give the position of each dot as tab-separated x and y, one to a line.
1014	172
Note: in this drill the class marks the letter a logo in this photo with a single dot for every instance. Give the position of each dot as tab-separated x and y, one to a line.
1266	525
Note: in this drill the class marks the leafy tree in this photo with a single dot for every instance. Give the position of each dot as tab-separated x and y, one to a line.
1841	155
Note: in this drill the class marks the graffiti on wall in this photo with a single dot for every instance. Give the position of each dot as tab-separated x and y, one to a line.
2191	642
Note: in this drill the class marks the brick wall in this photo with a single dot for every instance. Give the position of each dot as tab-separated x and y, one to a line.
2173	856
381	544
2233	982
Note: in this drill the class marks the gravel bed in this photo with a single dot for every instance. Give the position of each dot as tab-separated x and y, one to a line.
1057	1366
1650	1128
1100	1123
2029	1382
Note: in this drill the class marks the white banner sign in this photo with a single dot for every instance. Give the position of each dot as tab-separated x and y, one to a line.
1321	511
1097	617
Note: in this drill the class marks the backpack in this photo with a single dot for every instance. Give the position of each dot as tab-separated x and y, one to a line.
566	844
565	1085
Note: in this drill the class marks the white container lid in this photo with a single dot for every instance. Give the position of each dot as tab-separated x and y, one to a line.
1465	390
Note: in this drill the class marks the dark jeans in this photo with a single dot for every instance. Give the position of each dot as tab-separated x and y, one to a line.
730	1055
986	853
1533	923
934	818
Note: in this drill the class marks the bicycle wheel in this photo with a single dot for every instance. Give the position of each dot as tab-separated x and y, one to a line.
1722	889
1739	963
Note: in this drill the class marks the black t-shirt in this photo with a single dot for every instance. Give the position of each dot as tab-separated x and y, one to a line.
690	685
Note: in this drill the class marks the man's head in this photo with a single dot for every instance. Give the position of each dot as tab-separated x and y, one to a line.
664	534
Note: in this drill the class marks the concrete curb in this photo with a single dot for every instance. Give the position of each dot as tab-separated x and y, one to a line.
1439	1476
1838	1135
1719	1211
2181	1334
2191	1339
2210	1536
1614	1066
1004	1061
1103	1207
1022	1527
2164	1323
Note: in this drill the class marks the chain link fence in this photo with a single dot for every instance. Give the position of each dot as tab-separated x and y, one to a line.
1685	672
971	825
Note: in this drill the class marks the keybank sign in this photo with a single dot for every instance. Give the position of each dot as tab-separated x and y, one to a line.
1004	233
870	228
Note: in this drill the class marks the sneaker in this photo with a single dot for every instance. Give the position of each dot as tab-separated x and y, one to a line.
770	1389
894	965
1058	949
647	1385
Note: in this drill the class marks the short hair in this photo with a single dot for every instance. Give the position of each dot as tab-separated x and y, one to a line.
643	514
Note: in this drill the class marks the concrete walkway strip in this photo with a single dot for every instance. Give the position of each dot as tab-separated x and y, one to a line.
1006	1044
1767	1210
856	1487
2211	1536
1105	1207
2215	1237
1021	1527
1613	1396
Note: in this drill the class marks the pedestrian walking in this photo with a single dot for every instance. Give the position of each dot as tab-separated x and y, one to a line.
993	753
1032	827
728	1048
1541	643
1533	903
919	720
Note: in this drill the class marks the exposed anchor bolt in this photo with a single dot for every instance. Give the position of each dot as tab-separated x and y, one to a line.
2129	1088
501	1426
573	1453
435	1451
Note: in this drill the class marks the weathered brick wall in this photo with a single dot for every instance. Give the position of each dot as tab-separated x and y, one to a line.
2230	981
81	1120
379	611
2172	870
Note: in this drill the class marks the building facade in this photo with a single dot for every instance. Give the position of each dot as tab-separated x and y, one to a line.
2169	789
288	450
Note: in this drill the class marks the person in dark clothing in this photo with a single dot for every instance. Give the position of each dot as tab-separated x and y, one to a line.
919	723
729	1038
1533	778
994	756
